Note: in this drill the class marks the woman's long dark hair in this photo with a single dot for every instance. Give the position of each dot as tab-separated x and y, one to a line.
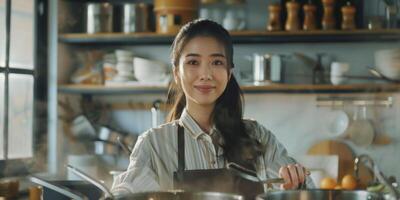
227	116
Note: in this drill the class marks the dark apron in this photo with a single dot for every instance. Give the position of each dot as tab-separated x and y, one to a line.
215	180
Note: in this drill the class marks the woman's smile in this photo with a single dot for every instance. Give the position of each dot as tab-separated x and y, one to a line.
205	89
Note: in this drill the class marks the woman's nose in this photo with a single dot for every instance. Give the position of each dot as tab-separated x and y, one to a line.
206	72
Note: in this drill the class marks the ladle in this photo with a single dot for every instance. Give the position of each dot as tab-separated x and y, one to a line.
378	74
250	174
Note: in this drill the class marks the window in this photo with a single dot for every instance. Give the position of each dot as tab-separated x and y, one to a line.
22	84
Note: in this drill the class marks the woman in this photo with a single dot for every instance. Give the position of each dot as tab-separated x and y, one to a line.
207	115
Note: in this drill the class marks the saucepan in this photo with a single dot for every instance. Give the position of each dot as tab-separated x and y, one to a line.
157	195
319	194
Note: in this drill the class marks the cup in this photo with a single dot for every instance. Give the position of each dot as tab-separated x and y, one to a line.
338	69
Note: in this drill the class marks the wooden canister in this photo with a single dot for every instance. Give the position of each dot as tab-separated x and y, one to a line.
292	21
309	17
171	15
328	18
348	17
274	17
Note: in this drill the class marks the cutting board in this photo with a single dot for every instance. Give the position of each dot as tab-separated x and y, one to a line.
346	158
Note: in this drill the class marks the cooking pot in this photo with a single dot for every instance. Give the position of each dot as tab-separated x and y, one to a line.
179	195
158	195
319	194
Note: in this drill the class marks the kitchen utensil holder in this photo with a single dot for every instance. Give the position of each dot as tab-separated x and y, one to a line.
339	101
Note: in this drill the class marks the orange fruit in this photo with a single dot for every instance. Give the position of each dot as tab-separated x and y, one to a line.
349	182
338	187
328	183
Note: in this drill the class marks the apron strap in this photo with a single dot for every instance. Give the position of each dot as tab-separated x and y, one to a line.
181	151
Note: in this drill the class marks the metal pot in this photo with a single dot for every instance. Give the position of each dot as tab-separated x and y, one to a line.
159	195
171	195
319	194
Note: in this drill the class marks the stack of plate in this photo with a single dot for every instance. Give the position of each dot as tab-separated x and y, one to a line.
124	66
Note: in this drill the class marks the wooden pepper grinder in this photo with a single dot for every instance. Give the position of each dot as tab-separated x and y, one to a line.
348	17
328	18
292	21
274	18
309	17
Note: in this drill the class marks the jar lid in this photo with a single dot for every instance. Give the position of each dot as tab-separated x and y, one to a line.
309	7
274	6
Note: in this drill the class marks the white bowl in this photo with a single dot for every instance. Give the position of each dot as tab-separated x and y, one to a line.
120	53
149	70
339	124
388	62
124	67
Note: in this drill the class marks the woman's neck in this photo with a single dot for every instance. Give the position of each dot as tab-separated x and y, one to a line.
201	114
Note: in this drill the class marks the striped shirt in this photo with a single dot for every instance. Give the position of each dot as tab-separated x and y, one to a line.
154	157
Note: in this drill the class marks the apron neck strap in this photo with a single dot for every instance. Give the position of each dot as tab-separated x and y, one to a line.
181	149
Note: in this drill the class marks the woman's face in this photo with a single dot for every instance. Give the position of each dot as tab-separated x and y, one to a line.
203	71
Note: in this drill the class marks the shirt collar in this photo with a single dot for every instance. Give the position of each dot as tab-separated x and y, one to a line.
190	124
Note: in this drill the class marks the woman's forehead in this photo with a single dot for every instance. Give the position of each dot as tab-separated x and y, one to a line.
203	46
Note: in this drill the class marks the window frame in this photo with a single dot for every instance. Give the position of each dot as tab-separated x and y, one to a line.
18	167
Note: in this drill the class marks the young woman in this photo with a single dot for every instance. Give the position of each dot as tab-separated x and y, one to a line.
206	129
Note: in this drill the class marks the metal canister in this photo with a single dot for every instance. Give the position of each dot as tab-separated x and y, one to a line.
136	17
261	68
99	18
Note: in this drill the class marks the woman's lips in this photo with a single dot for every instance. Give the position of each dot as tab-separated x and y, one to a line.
204	88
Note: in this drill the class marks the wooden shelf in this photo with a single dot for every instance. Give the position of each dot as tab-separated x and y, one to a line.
110	90
239	37
247	89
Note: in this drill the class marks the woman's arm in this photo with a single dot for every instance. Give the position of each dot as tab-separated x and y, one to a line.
140	175
279	164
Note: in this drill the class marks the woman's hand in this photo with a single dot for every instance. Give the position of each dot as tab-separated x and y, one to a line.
294	175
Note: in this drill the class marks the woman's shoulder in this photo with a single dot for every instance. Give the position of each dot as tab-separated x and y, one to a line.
161	131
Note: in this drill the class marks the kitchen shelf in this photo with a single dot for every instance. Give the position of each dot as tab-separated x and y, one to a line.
248	89
239	37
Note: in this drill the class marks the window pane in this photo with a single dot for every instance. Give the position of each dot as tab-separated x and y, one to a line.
2	32
22	22
1	114
20	116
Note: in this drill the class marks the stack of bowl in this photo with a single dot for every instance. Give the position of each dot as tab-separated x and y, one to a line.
124	66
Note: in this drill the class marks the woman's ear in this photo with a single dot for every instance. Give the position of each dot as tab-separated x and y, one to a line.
230	73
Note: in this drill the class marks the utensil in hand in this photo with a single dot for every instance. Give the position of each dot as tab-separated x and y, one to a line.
250	174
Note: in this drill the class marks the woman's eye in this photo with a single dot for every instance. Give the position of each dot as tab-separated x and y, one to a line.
192	62
218	63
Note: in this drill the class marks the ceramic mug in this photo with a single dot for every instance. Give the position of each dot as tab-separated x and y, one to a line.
338	69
